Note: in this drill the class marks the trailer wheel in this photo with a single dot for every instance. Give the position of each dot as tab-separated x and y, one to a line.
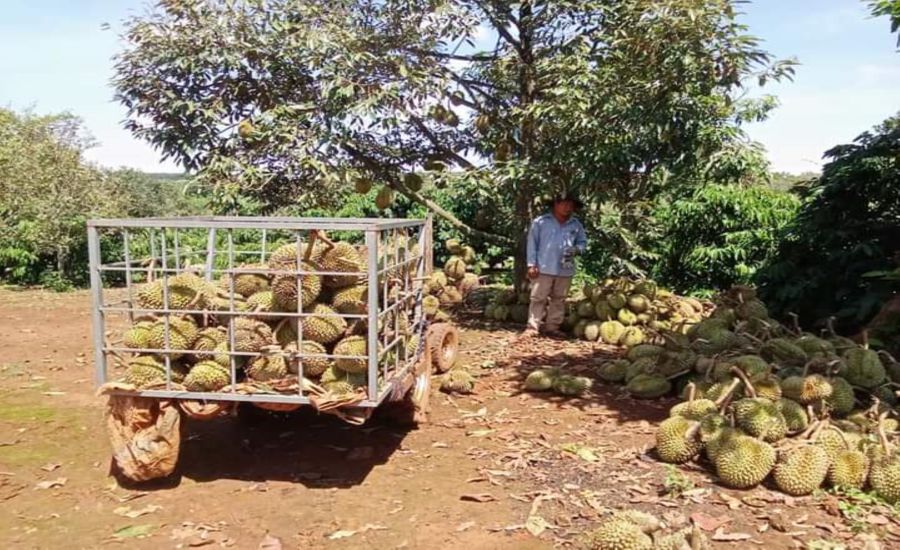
443	343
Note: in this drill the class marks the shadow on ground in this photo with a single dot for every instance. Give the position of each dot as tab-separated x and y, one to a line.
316	450
571	356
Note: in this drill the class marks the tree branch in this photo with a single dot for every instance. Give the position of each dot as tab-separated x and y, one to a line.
501	28
420	124
441	55
397	184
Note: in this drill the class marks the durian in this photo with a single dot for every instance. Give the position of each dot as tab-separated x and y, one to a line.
801	470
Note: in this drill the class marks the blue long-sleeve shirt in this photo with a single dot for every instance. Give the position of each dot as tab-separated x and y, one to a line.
548	240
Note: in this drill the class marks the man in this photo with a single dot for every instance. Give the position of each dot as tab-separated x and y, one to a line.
553	241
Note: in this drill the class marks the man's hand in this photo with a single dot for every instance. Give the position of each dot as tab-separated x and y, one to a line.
533	272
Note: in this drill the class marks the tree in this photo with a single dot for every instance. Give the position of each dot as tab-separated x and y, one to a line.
292	101
890	8
848	226
47	191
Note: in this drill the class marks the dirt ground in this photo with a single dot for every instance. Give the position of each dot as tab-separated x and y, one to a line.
498	469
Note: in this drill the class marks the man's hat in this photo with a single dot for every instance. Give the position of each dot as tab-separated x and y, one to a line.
567	196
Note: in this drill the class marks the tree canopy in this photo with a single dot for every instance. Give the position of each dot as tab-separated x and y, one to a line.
294	101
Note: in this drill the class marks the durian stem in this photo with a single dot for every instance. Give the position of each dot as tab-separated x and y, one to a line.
843	438
692	391
889	357
677	374
809	429
882	437
795	322
743	376
806	368
692	432
865	338
814	435
833	367
697	538
723	399
873	410
829	324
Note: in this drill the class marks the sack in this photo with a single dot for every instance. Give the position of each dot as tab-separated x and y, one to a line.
145	434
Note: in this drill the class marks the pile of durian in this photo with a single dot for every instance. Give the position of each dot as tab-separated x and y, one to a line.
764	400
635	530
615	311
199	343
451	286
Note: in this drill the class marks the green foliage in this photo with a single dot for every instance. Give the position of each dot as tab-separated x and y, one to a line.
289	103
719	235
48	191
890	8
848	226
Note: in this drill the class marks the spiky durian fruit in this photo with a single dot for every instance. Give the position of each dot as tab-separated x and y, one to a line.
674	443
541	379
571	385
760	418
431	305
743	462
784	352
648	523
884	476
849	468
286	256
618	534
648	386
694	410
322	325
181	335
138	336
842	398
613	371
795	416
863	368
271	365
458	380
351	300
751	309
815	346
352	345
339	382
341	258
806	389
647	365
685	539
711	426
251	335
455	268
247	284
263	301
143	371
183	290
207	340
708	328
312	366
207	376
284	289
801	470
768	387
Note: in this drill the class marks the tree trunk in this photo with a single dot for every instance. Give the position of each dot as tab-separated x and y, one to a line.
523	217
525	195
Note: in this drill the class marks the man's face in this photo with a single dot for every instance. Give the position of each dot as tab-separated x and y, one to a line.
563	209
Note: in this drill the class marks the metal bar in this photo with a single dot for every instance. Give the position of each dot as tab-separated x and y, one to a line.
262	254
298	333
177	251
240	270
167	358
96	302
243	398
126	244
212	352
232	362
283	222
210	253
428	249
372	238
276	314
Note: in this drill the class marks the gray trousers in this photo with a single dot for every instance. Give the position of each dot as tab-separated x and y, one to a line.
548	296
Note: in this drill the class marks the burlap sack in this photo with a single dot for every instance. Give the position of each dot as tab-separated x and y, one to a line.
145	434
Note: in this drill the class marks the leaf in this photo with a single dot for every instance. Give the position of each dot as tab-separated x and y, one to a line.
134	531
721	536
582	452
479	433
464	526
709	523
478	497
127	512
342	534
536	525
51	466
270	543
59	482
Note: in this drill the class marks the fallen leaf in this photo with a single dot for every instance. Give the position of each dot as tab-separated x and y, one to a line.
127	512
582	452
733	503
877	519
478	497
721	536
479	433
59	482
536	525
342	534
372	527
134	531
50	467
466	525
709	523
439	445
270	543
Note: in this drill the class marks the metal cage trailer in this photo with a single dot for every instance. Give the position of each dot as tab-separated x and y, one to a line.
200	314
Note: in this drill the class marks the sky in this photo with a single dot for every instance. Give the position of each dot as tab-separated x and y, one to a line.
55	56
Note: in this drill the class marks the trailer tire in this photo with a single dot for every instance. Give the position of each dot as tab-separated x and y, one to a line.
443	342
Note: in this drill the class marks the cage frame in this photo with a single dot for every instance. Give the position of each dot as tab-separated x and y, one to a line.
373	229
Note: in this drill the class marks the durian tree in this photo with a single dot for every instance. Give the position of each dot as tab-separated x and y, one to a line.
299	101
